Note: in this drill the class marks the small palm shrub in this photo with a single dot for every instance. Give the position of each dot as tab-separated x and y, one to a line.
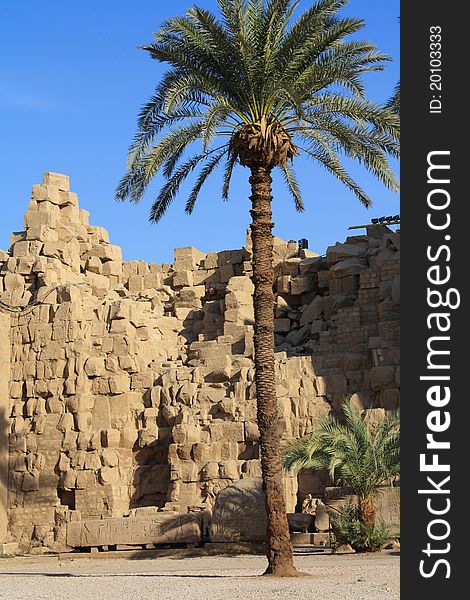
362	537
355	454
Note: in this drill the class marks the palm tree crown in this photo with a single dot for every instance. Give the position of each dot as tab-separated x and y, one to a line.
355	453
255	87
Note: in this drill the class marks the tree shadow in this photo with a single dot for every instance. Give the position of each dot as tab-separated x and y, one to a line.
101	575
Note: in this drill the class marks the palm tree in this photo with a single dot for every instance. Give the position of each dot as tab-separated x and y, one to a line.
355	454
394	102
257	88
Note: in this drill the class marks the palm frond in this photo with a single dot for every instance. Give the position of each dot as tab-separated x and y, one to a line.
206	171
171	187
330	161
258	68
353	453
231	162
293	186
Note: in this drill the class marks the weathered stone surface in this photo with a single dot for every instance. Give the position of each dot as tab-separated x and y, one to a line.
396	290
188	258
4	414
340	252
154	529
239	513
300	522
134	383
312	311
351	266
282	325
322	520
382	377
386	504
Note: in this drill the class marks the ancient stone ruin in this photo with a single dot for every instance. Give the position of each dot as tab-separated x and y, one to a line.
126	385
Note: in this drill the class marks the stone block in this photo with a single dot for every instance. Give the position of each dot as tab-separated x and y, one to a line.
182	279
135	284
336	384
239	513
30	482
69	201
351	266
119	383
83	421
70	440
45	193
283	284
94	366
9	548
57	180
101	413
206	276
107	252
65	422
109	457
94	265
188	258
318	325
35	219
390	399
282	325
300	522
229	469
312	311
109	475
155	528
324	279
210	471
251	431
227	431
211	261
12	281
113	268
301	285
298	336
111	438
310	265
226	273
381	378
339	252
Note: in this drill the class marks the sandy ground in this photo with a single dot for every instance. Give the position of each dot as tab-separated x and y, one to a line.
340	577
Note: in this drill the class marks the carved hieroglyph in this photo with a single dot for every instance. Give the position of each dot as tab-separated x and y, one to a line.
155	529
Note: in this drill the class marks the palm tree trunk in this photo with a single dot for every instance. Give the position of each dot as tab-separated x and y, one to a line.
366	511
279	550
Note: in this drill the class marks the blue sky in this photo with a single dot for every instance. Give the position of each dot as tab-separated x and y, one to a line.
72	82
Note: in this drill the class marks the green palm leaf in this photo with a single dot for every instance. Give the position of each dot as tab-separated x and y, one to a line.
256	66
354	453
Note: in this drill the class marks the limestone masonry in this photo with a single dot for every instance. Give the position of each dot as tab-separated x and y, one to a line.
126	385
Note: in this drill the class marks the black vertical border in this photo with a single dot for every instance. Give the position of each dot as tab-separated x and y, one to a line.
423	132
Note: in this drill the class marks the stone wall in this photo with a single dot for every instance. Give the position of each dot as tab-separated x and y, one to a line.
4	421
131	384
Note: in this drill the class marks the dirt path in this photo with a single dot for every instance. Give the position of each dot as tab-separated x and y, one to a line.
346	577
